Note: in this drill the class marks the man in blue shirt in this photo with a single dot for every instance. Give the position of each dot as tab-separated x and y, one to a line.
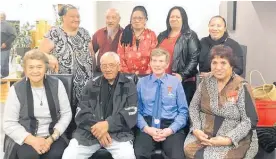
162	110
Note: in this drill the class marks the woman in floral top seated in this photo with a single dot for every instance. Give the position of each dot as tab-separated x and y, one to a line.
136	43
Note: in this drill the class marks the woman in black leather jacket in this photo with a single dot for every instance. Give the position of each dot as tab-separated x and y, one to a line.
183	45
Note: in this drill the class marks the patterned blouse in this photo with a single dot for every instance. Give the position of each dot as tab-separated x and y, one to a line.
230	113
73	56
135	59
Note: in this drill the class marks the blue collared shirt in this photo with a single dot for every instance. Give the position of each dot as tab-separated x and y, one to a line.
174	104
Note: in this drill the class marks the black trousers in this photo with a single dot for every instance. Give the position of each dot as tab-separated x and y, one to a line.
189	88
27	152
172	147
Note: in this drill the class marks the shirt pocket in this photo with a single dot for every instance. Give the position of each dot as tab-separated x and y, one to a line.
169	103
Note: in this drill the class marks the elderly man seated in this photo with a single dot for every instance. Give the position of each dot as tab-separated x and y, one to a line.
106	114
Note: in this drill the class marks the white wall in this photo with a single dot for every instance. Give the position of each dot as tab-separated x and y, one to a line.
256	28
31	11
199	13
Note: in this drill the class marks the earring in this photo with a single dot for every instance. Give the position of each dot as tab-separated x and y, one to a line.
26	78
45	76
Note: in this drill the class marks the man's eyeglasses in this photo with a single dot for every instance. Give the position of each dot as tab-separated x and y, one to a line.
110	66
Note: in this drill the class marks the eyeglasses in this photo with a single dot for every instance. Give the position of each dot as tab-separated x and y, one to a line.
108	66
137	18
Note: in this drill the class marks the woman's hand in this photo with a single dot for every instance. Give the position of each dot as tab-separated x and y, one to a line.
38	143
201	136
220	141
53	63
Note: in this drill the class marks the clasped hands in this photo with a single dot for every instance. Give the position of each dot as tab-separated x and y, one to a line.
214	141
40	144
158	135
100	131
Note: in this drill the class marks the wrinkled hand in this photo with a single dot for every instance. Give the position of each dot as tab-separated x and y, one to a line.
220	141
177	75
99	129
53	63
202	137
3	46
163	134
105	140
152	131
38	143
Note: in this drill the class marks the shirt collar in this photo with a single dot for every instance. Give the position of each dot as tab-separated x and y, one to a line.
153	78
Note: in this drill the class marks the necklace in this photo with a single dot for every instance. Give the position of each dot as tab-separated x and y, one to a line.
40	98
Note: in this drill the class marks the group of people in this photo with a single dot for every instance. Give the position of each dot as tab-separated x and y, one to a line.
216	119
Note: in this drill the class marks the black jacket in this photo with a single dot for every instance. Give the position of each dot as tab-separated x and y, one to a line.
204	56
90	111
186	52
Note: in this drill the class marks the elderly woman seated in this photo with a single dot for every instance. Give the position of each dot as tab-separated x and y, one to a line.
37	112
222	113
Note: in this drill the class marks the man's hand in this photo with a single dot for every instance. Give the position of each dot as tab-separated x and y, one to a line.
99	129
152	131
178	76
3	46
166	132
105	140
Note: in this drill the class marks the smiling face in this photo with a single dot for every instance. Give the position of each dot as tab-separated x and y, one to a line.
35	70
159	64
72	18
175	19
217	28
221	68
138	20
109	67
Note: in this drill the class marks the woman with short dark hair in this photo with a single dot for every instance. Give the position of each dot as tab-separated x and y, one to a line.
222	112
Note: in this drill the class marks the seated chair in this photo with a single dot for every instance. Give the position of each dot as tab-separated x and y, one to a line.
67	80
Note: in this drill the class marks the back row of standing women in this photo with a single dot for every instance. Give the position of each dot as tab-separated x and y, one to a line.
71	51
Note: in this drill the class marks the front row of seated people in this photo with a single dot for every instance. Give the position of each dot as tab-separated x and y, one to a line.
222	113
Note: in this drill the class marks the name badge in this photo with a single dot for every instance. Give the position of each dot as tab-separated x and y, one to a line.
156	121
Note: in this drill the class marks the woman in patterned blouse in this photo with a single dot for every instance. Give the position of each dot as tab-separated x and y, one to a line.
222	113
136	43
67	49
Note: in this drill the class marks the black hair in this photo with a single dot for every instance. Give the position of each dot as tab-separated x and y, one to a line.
185	24
64	9
224	51
224	21
127	34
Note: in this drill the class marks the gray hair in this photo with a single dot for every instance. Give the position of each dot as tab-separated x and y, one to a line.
3	15
113	9
35	54
112	54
